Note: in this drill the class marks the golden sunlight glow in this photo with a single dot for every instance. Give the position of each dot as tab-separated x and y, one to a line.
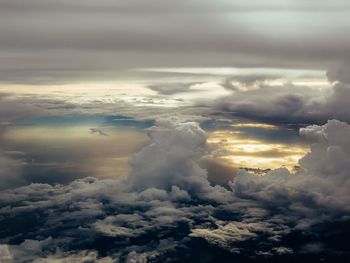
80	89
241	152
102	155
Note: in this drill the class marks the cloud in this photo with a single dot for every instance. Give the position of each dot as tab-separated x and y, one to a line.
174	147
167	209
219	173
320	186
158	34
171	88
98	131
339	73
13	110
34	251
246	82
228	233
288	104
171	151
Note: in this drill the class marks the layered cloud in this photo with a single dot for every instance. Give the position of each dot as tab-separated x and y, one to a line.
46	41
166	209
171	88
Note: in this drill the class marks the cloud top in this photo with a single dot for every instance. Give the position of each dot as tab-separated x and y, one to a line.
166	205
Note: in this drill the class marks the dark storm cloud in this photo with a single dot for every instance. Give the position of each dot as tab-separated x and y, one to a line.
169	210
47	41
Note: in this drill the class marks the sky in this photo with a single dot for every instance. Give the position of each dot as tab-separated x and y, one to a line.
174	131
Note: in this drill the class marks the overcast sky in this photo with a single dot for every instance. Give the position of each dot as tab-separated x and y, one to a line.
47	40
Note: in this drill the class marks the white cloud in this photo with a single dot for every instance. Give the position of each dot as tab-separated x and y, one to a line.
169	159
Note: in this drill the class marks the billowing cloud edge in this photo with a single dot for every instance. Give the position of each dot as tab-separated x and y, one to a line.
167	204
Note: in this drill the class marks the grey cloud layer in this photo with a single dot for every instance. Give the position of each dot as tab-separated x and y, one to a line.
171	88
287	104
44	41
161	211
